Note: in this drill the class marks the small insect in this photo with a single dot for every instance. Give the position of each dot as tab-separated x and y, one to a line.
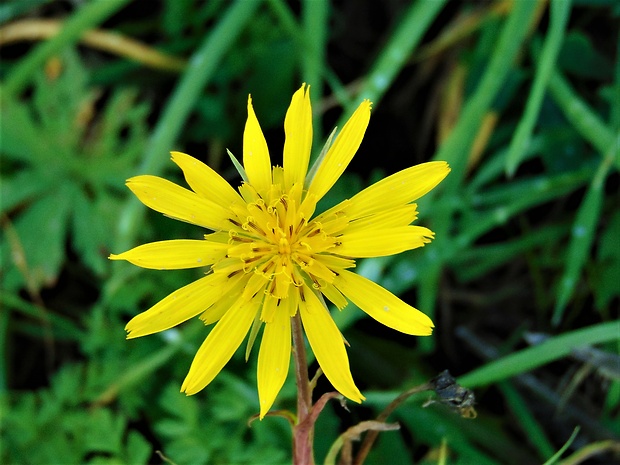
455	396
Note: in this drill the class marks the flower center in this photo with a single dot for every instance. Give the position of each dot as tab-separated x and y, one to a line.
275	245
285	247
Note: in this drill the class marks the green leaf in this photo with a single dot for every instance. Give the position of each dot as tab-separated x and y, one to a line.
21	188
541	354
90	228
41	232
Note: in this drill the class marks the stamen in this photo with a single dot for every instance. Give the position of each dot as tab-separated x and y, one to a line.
237	238
315	231
261	249
254	226
301	224
250	260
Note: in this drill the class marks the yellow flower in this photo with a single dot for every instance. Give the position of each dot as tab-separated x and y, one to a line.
268	257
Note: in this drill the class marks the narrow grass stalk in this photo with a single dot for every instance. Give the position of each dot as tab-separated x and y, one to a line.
86	17
556	457
579	114
501	62
615	100
202	66
541	354
315	15
458	144
560	11
394	56
582	236
287	20
532	429
108	41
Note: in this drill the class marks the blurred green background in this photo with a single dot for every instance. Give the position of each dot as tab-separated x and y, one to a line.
521	97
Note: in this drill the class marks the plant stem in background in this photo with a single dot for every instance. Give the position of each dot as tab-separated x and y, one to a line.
202	66
86	17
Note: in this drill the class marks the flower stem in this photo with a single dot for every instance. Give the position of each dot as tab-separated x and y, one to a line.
302	434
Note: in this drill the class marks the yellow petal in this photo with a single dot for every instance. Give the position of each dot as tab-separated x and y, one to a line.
334	295
274	359
397	217
256	154
174	254
327	344
205	181
379	243
398	189
176	202
340	154
218	309
231	289
178	307
382	305
298	142
219	346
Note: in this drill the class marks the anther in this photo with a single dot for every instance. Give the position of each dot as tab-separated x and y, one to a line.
255	227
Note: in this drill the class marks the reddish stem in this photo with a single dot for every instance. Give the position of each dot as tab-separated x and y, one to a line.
303	432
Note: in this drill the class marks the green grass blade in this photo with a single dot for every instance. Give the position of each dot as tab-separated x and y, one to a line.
456	147
558	454
585	120
615	105
582	237
560	11
415	22
315	16
86	17
202	67
458	144
541	354
532	429
473	262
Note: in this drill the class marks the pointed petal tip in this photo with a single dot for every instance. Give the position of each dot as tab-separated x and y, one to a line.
187	389
264	409
175	155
